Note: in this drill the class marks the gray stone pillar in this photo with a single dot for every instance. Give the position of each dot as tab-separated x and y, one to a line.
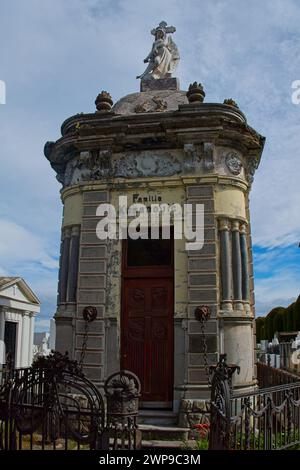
245	264
31	336
73	264
236	264
24	325
63	277
59	270
226	272
2	328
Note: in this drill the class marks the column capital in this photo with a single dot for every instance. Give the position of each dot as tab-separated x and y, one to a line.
75	231
26	312
235	226
224	224
243	228
66	233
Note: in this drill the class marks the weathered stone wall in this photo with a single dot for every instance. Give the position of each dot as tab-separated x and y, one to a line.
92	280
203	285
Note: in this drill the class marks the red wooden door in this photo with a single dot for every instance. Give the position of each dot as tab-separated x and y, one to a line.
147	336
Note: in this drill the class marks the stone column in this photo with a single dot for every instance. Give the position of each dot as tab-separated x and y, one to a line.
30	342
245	263
236	264
238	345
63	276
59	270
24	325
2	329
226	272
73	264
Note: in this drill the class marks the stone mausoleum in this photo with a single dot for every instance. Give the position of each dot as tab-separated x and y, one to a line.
159	145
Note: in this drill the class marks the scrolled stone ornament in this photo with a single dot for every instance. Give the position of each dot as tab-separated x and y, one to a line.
251	167
233	163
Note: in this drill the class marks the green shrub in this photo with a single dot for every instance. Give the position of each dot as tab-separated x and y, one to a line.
279	319
260	329
297	315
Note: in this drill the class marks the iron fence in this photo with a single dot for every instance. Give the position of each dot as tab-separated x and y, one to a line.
268	376
263	419
53	406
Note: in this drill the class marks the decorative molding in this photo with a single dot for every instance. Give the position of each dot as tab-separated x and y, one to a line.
233	163
66	233
208	156
251	167
75	230
191	157
224	224
132	166
153	105
235	226
88	166
243	229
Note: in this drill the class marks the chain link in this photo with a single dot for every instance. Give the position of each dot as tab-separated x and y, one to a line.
84	344
204	345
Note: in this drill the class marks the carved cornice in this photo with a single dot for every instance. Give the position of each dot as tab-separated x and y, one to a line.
156	183
98	135
205	118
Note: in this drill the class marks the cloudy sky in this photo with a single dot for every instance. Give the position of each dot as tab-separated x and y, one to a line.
57	55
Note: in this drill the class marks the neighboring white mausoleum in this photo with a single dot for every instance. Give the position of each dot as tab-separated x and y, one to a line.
18	308
41	342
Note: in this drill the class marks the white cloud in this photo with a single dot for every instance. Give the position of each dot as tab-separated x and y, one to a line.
18	245
42	325
282	284
3	272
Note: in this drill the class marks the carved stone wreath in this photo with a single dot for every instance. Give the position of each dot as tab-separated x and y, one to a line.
155	104
233	163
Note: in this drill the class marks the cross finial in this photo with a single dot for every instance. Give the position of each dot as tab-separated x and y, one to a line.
163	27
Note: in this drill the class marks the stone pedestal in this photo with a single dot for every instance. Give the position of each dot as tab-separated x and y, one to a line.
170	83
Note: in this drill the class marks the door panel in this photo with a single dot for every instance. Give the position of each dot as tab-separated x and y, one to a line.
147	335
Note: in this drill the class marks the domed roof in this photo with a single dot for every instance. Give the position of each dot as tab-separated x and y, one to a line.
150	102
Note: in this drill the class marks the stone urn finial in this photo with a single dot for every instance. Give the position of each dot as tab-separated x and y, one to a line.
195	93
103	101
231	102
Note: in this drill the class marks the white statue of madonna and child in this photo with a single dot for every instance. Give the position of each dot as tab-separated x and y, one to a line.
164	56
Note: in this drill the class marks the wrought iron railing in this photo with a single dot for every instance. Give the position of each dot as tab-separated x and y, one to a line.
263	419
52	405
268	376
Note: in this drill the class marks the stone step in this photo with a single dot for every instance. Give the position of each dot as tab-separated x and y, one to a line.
152	432
158	417
190	444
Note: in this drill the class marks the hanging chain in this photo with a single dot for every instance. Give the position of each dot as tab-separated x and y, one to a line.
84	343
204	346
202	314
89	314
